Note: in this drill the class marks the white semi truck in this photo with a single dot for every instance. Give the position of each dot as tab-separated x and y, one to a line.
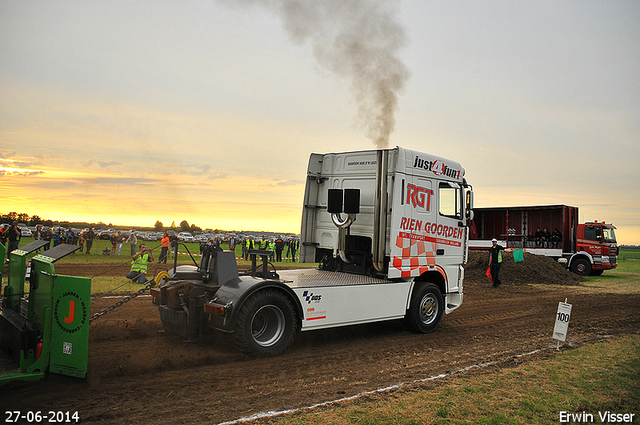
389	229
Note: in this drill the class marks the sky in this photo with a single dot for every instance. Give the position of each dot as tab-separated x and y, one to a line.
207	111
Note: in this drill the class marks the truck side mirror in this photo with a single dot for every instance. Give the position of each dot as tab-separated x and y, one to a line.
469	205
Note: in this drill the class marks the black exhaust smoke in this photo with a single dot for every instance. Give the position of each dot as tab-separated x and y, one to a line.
358	40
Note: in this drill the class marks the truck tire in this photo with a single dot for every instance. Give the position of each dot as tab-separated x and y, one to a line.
581	267
425	310
266	324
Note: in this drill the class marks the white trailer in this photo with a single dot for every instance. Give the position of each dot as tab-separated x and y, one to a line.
389	229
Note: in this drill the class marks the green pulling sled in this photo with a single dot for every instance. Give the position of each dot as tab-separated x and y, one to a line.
47	329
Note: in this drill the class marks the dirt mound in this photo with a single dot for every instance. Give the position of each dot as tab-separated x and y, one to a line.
534	269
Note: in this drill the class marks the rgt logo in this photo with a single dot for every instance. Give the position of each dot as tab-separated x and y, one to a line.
419	196
310	297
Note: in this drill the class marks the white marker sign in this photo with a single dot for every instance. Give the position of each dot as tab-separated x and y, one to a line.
562	321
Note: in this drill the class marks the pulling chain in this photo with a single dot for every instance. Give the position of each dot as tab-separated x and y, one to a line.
149	285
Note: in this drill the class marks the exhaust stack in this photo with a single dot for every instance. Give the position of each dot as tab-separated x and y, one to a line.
380	211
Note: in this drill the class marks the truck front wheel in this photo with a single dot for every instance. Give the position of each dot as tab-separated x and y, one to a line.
266	324
581	266
425	310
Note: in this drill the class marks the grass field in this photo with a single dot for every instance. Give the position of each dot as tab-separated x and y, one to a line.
625	279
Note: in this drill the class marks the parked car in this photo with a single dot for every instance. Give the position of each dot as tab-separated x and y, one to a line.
202	238
186	237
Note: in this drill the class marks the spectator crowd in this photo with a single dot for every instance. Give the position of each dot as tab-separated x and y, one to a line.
279	248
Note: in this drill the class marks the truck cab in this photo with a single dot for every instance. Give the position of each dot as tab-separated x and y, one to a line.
410	222
596	249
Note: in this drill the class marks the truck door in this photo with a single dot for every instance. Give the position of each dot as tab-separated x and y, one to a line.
450	231
413	248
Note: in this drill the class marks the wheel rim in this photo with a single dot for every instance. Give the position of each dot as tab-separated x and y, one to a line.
267	325
428	309
581	267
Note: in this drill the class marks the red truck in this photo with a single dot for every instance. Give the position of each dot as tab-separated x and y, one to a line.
551	230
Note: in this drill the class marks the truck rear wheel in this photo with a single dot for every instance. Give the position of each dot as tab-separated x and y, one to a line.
425	310
266	324
581	266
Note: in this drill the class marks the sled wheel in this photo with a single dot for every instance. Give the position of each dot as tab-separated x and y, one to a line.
426	309
266	324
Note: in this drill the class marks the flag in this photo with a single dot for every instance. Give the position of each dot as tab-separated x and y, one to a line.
518	255
488	273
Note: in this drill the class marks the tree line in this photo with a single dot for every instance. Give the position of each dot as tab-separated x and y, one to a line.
34	220
184	226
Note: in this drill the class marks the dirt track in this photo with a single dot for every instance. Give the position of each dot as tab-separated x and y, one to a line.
140	374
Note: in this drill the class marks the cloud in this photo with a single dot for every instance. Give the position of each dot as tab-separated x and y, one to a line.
118	181
204	170
285	183
8	173
22	164
103	164
6	154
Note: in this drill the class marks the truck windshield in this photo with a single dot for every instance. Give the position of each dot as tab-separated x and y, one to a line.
609	235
